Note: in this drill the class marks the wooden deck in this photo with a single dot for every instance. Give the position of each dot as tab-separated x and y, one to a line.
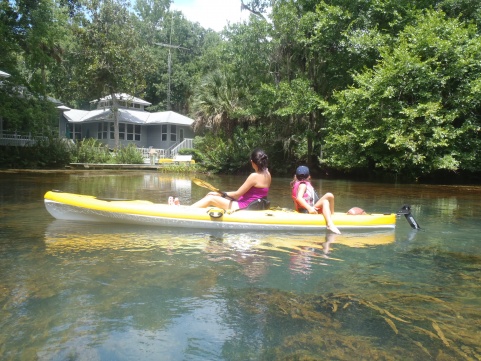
146	166
114	166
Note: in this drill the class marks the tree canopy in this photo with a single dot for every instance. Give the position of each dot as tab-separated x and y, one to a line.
389	86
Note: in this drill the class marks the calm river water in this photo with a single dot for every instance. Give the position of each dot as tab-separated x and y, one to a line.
86	291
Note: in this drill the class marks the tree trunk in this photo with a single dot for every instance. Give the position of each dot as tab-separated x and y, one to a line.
310	140
115	110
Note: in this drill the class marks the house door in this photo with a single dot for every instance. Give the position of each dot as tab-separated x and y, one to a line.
181	134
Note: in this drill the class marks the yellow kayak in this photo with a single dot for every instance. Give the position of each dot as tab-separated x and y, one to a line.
77	207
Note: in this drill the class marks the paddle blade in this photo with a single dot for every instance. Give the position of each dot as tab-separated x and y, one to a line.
209	186
205	184
406	211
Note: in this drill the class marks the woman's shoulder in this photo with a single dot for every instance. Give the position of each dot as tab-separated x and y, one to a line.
260	174
261	180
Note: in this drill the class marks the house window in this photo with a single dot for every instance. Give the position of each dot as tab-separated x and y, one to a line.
122	131
173	133
138	132
164	132
74	131
133	132
103	130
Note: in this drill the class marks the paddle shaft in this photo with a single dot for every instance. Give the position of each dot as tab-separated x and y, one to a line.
209	186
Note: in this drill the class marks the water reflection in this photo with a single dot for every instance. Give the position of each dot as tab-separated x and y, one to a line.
70	236
251	254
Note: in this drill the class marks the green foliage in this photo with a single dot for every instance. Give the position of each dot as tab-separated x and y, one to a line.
8	39
25	113
191	151
296	104
297	98
213	153
232	156
183	168
112	55
51	152
38	28
415	111
246	54
45	153
219	103
90	150
127	155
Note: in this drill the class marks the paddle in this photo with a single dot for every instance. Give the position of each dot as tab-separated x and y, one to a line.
406	211
209	186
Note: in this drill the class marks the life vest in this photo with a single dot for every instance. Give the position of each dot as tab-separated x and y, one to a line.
310	195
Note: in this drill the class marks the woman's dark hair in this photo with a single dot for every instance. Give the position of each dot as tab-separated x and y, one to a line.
259	157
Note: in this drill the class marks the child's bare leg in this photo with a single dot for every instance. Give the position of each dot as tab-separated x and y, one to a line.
326	212
330	198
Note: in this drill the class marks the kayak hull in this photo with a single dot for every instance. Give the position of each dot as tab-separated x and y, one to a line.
76	207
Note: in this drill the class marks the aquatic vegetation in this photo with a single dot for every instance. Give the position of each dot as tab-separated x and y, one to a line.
396	325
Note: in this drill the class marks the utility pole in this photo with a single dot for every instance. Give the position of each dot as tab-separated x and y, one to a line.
169	66
169	59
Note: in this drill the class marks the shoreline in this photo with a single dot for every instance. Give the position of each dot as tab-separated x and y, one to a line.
82	167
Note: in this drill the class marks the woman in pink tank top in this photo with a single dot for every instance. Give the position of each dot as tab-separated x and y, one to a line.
256	186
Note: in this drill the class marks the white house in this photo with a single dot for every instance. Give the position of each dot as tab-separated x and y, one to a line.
164	131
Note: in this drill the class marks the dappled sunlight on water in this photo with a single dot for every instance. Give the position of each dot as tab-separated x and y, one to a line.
93	291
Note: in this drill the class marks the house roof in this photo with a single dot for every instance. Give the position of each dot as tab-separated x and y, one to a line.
127	116
123	96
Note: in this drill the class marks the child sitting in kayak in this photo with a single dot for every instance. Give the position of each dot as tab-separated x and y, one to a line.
306	199
255	187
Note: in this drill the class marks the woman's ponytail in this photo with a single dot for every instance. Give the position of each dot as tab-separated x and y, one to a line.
259	157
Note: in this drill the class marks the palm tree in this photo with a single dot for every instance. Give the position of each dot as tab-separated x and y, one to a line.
218	103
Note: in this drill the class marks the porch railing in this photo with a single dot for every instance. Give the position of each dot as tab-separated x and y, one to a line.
166	153
160	153
186	143
16	139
